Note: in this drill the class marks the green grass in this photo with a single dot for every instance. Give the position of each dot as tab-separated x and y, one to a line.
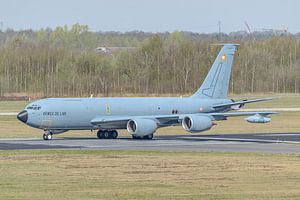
147	175
12	106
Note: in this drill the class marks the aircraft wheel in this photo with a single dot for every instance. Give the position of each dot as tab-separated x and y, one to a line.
47	136
100	134
106	134
113	134
148	137
134	137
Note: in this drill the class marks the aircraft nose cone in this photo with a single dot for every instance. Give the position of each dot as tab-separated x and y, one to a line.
23	116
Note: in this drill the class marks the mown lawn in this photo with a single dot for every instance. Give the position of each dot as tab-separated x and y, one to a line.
147	175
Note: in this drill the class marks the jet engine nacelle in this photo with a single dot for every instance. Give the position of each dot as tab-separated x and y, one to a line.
196	123
141	127
258	119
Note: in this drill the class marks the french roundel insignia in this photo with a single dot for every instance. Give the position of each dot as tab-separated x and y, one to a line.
223	58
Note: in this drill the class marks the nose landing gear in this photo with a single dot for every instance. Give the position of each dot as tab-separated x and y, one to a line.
47	135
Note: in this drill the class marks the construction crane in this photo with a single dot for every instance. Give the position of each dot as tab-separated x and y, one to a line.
248	29
283	30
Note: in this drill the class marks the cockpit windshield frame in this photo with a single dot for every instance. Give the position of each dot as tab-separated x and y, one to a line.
33	107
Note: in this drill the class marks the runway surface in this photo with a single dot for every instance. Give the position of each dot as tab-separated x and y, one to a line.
263	143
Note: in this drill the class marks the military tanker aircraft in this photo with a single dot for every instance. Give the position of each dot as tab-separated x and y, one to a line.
143	116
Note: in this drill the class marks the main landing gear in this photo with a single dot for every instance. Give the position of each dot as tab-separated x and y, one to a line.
146	137
47	135
107	134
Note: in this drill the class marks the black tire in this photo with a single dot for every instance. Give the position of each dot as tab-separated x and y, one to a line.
113	134
106	134
45	136
137	137
49	136
148	137
99	134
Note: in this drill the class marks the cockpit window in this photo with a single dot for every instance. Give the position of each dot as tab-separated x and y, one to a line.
34	107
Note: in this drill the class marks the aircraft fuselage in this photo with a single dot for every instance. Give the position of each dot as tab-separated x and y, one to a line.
77	113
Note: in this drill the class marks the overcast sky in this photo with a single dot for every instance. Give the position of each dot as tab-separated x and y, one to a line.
152	15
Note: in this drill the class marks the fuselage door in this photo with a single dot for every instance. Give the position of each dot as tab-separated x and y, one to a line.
46	124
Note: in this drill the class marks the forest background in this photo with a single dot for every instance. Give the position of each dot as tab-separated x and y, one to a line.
64	62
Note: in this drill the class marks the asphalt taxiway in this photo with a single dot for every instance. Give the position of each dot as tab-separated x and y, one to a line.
263	143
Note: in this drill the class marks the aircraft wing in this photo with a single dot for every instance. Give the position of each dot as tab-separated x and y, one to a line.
167	120
239	103
121	121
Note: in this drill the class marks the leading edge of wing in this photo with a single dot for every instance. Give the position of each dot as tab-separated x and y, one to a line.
115	119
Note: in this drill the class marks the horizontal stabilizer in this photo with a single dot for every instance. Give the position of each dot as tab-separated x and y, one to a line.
241	103
220	44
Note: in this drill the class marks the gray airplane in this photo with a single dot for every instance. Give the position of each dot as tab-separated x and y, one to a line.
143	116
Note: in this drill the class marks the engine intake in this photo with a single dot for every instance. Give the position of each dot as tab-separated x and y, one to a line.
141	127
196	123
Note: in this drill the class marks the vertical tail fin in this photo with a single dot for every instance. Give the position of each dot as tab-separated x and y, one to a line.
216	83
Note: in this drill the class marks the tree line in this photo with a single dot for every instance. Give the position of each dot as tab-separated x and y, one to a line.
63	62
